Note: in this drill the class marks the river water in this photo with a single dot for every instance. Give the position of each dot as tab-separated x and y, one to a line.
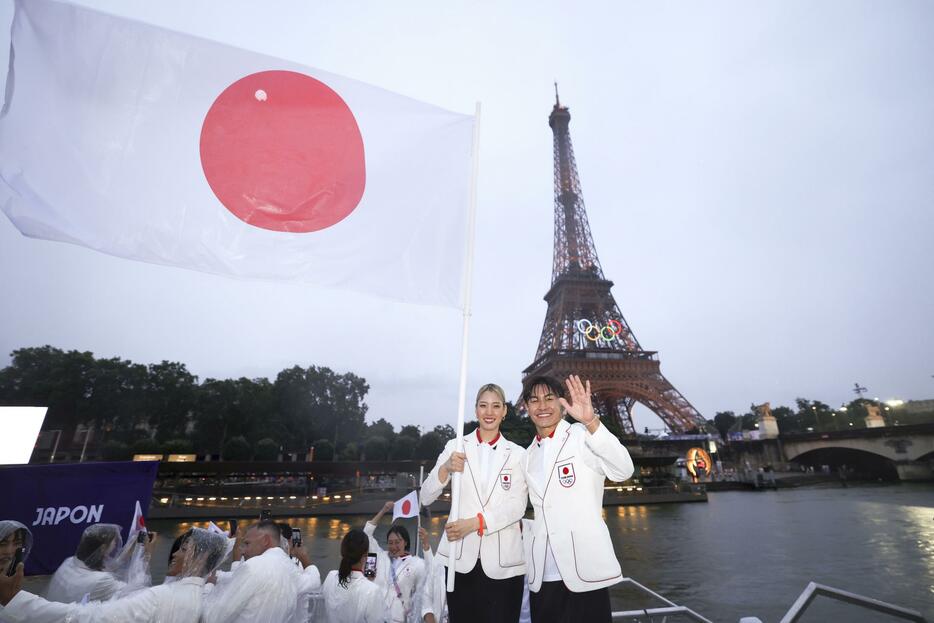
741	553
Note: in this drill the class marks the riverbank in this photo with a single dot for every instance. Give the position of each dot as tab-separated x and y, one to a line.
194	509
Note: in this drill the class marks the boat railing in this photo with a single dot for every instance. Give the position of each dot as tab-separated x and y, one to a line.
661	613
815	590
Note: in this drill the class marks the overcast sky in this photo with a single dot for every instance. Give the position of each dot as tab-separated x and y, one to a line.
759	178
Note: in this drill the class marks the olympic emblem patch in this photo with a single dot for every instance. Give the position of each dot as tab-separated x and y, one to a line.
505	481
566	474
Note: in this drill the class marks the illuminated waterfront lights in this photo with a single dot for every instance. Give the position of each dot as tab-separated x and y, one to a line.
212	499
347	497
164	500
337	497
314	497
326	498
223	499
270	498
201	499
188	499
291	497
248	498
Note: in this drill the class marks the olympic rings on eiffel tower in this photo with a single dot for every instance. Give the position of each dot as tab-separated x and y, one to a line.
593	332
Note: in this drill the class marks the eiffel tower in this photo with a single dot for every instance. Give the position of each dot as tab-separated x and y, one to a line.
584	332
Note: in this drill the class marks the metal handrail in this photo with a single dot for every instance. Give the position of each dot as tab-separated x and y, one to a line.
640	615
670	608
814	590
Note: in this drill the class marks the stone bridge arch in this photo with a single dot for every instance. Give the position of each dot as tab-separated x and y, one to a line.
854	462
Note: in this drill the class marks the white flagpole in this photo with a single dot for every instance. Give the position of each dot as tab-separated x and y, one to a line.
468	290
421	481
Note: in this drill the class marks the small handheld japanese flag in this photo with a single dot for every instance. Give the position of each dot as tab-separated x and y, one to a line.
406	507
138	524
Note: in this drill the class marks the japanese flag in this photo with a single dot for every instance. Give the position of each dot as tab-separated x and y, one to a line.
138	524
163	147
406	507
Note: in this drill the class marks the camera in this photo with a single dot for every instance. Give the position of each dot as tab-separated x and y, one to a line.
296	537
265	514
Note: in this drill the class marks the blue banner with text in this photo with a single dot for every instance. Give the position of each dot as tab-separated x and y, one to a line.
57	502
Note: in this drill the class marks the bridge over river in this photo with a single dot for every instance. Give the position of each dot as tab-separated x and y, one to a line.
889	452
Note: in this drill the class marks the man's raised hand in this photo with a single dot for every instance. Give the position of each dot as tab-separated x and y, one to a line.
580	407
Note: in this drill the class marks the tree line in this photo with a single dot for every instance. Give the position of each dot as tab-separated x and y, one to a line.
160	408
135	408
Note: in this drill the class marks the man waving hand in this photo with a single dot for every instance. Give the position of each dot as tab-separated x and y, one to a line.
569	554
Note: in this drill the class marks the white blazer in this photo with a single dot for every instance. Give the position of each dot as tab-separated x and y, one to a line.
569	504
502	499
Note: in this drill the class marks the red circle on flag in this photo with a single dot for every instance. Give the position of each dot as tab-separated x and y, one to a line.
565	470
506	477
406	507
282	151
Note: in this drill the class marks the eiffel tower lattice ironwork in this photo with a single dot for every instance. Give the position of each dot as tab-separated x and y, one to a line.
584	332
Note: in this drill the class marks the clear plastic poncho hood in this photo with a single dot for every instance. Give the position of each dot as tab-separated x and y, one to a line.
8	532
100	545
201	553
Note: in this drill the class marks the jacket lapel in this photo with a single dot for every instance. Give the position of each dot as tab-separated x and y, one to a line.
473	462
531	455
562	433
500	459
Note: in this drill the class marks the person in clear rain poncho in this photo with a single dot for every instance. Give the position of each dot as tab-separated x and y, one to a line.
266	586
13	535
98	570
179	602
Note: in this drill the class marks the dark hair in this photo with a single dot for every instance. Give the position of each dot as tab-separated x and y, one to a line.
285	530
177	544
550	382
403	534
354	546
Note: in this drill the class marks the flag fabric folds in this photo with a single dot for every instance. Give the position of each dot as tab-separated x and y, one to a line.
405	507
163	147
137	525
